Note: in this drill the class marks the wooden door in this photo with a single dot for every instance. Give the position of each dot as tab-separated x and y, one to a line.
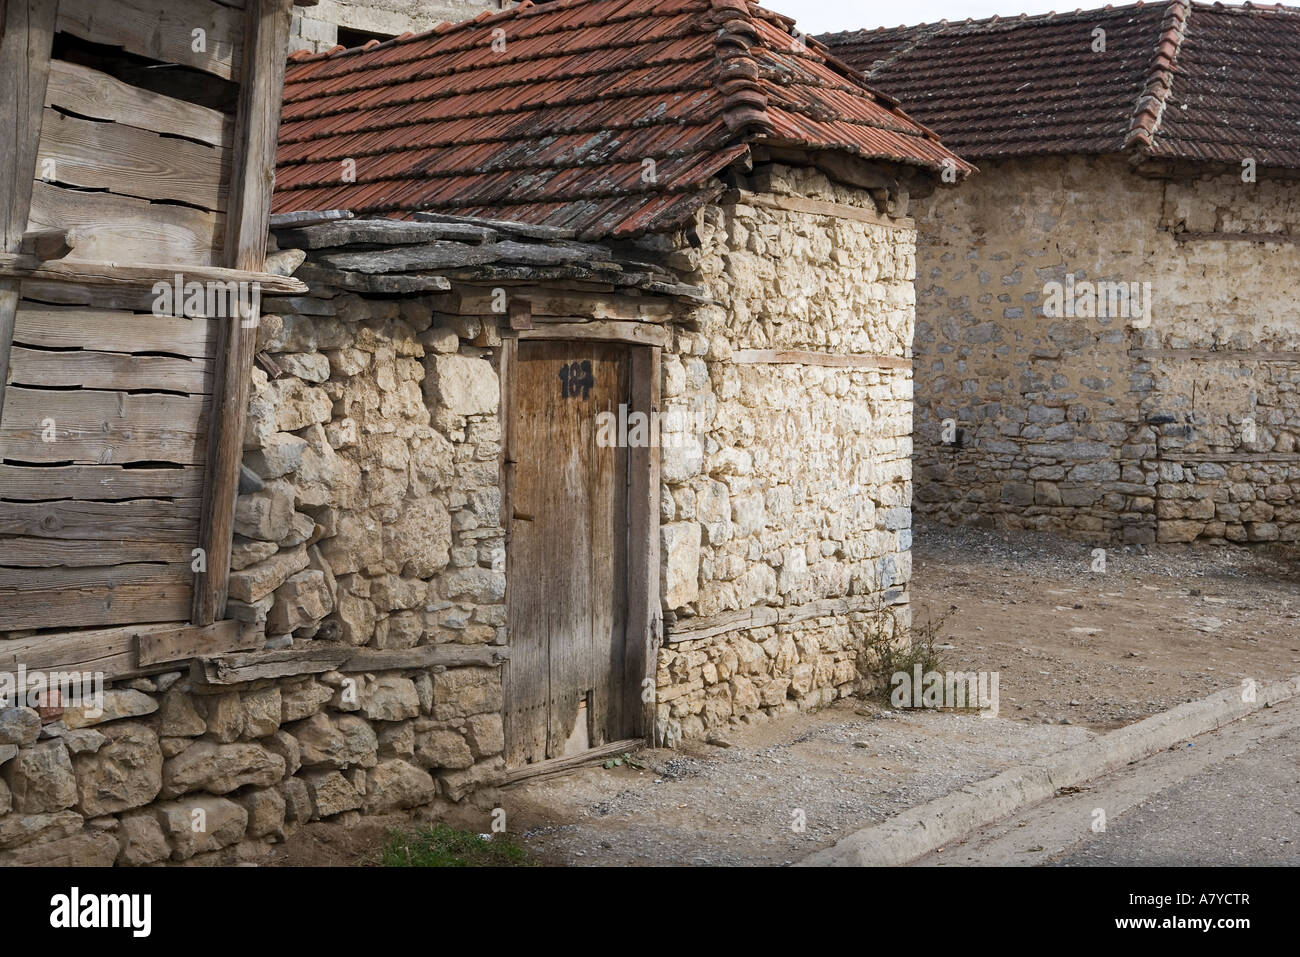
567	562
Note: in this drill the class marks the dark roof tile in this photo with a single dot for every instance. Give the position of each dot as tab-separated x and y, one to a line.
1177	80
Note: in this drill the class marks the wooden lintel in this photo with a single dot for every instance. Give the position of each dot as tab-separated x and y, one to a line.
804	357
600	330
546	302
814	207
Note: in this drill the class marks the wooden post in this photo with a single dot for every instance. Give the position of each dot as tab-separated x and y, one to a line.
644	616
28	37
252	178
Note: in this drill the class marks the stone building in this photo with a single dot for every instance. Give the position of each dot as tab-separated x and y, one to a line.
786	207
319	27
578	416
1150	146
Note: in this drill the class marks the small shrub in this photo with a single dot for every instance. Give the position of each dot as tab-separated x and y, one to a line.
888	649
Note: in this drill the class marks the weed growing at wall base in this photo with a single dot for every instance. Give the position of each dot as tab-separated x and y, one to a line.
949	690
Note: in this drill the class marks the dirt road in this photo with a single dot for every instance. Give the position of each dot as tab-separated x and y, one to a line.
1159	626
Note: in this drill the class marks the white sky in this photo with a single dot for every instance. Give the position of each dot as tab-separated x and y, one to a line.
821	16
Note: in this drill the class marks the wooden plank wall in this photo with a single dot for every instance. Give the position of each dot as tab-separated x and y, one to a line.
142	177
104	427
103	439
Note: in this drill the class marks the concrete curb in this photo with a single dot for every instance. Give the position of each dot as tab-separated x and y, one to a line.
920	830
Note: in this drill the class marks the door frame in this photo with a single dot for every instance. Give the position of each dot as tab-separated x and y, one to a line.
644	628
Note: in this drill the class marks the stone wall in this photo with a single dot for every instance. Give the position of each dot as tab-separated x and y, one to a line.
1103	428
316	28
369	544
370	518
783	484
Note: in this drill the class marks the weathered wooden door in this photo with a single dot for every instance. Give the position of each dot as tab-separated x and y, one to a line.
567	562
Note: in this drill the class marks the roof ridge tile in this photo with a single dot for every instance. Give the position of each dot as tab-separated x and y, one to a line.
744	105
1150	106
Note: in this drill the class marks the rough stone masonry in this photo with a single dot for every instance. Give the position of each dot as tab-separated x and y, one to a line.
1182	428
793	486
369	543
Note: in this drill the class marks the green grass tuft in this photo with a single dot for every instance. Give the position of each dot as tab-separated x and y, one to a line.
440	846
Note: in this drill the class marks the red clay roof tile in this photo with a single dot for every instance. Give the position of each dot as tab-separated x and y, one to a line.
558	127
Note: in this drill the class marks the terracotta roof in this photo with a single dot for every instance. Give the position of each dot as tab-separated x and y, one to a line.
560	126
1177	80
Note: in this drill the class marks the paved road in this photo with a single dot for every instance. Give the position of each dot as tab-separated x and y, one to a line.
1231	798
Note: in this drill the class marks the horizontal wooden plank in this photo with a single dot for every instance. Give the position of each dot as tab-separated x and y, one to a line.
123	285
831	360
542	301
425	656
146	520
108	650
183	642
110	370
161	30
1218	355
72	553
59	292
124	651
97	482
132	162
571	762
599	330
101	428
815	207
1280	239
236	669
759	616
92	93
116	229
62	327
124	594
